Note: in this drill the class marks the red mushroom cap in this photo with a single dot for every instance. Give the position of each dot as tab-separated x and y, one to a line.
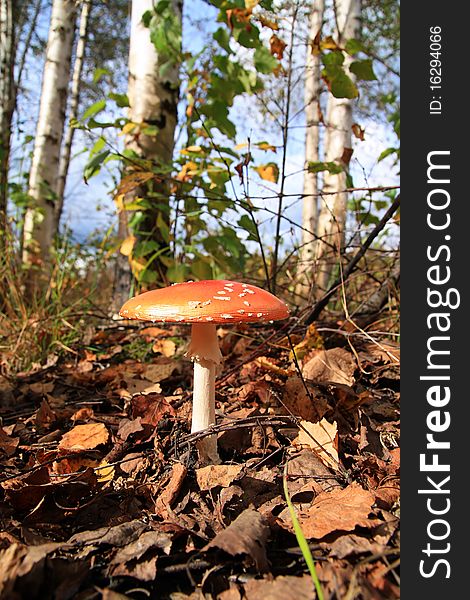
210	301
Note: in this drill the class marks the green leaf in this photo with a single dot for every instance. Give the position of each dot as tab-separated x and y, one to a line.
264	61
201	269
121	99
177	273
387	152
222	37
353	46
98	146
163	228
342	86
94	165
94	109
363	69
332	167
247	224
99	74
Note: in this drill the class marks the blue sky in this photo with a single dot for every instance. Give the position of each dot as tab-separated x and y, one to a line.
90	207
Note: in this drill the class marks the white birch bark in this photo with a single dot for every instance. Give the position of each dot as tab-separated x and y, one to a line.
153	100
7	101
39	222
73	110
332	217
305	272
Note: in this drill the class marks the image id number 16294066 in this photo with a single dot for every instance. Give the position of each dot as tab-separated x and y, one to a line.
435	70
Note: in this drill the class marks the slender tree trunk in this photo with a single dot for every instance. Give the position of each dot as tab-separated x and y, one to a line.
73	113
153	100
7	104
332	217
39	226
306	270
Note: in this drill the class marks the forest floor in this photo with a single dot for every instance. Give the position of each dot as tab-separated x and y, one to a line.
101	494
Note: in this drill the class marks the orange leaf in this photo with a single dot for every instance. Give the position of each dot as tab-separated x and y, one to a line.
277	46
269	172
84	437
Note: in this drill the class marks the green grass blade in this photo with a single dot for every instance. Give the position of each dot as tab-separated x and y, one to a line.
303	544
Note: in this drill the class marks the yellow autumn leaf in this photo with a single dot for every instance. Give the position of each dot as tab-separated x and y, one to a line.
268	172
104	471
250	4
241	146
137	266
128	127
328	43
119	201
266	147
127	245
190	149
188	170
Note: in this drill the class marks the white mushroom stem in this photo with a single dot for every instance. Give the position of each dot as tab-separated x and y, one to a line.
204	351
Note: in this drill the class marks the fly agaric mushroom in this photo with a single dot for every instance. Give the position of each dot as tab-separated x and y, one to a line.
204	304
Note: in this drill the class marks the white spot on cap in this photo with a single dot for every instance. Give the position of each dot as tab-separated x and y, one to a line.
209	318
242	295
241	311
259	314
250	314
246	303
221	298
222	292
249	291
138	306
207	302
226	316
194	303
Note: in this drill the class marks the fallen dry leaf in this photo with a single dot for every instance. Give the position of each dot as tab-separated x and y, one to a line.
165	347
158	372
84	437
331	366
338	510
172	489
280	588
8	445
127	560
246	535
151	408
310	408
217	475
322	438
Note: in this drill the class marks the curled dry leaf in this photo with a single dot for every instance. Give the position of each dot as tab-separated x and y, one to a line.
84	437
172	489
217	475
246	535
331	366
322	438
338	510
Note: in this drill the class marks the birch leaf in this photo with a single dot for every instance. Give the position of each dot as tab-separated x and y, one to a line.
268	172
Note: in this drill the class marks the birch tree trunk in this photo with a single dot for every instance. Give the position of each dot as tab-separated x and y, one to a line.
153	100
39	225
306	270
7	104
73	112
332	217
